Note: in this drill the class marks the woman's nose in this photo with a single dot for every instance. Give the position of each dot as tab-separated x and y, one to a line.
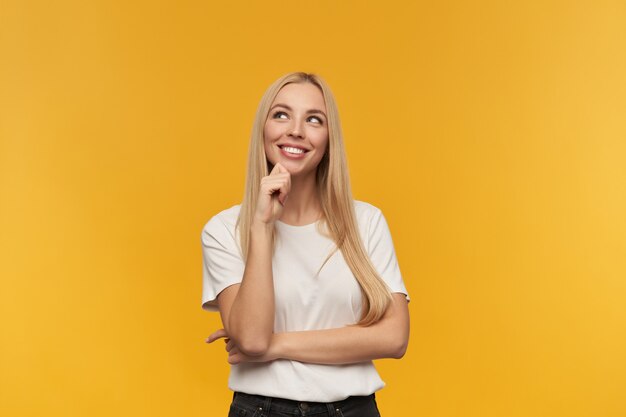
296	129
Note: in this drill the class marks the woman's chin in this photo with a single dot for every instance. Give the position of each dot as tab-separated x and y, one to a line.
293	167
296	168
296	171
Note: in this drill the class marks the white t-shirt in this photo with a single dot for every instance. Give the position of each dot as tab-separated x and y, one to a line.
303	300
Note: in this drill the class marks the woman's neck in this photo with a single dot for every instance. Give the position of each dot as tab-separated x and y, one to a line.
303	203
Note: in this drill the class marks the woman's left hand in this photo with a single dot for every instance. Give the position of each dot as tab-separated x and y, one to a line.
235	356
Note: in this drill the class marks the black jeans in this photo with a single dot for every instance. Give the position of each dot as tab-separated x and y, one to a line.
247	405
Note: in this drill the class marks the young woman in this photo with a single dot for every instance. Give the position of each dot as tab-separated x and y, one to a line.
305	278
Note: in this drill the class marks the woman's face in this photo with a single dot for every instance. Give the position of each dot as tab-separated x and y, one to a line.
296	129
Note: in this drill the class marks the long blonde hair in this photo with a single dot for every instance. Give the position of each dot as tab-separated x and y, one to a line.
333	187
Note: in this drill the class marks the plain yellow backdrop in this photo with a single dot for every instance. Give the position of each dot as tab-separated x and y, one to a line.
492	134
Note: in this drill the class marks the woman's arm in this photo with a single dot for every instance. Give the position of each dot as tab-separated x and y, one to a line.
247	309
388	338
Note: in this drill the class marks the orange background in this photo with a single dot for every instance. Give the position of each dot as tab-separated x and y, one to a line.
491	134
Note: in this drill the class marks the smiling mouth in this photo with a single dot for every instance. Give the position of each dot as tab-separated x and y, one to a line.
292	150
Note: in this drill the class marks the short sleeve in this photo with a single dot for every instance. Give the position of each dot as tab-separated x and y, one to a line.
222	264
382	253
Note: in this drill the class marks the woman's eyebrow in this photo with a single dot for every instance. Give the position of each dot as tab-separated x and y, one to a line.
290	109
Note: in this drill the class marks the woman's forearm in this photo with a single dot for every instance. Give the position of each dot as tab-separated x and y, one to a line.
251	318
248	311
337	346
387	338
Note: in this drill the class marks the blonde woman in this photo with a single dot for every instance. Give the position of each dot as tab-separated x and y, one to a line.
305	278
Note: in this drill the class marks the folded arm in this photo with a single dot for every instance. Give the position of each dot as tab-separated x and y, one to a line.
388	338
249	325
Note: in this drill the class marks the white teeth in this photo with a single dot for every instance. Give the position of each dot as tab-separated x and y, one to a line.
292	150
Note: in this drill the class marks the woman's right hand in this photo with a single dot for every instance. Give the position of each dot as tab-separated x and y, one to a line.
273	194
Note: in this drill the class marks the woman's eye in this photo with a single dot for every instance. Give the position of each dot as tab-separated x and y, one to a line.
317	119
278	114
